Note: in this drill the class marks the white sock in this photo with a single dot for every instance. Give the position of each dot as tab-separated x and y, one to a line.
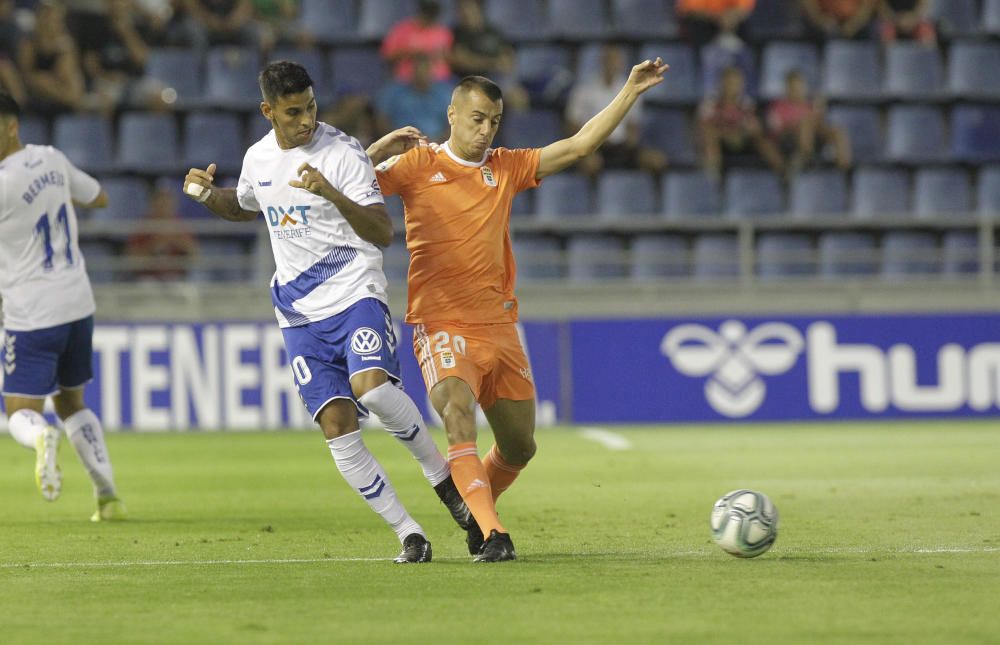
400	416
365	475
87	436
26	426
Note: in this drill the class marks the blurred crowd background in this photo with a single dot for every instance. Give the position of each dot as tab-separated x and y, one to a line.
792	139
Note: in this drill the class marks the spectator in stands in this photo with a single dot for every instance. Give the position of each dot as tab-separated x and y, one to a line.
162	248
728	125
422	102
840	18
798	123
703	20
420	34
115	65
225	22
277	21
354	113
623	148
10	38
168	24
906	20
479	49
50	63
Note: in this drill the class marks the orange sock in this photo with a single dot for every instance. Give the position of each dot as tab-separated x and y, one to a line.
501	474
474	485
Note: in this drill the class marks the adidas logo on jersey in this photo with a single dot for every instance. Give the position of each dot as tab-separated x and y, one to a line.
438	177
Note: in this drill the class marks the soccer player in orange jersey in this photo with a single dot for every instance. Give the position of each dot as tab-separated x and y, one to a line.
457	199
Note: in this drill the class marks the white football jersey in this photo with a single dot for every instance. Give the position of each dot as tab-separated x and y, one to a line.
43	278
323	266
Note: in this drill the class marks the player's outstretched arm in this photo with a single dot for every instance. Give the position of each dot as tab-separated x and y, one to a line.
566	152
221	201
371	223
395	143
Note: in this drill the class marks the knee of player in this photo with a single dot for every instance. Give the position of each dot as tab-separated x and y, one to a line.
520	453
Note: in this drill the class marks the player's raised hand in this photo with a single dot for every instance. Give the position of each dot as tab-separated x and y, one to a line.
396	143
647	74
198	183
312	180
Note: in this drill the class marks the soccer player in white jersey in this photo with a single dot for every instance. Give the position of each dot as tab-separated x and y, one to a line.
48	310
326	220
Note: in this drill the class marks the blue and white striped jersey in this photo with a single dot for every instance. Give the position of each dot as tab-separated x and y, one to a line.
323	266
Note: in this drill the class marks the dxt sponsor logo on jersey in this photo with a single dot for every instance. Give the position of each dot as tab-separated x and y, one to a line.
289	222
733	358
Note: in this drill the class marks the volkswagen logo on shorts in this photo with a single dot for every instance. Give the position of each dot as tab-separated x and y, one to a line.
366	341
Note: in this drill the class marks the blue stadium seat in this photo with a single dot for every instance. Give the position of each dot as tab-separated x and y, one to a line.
975	133
774	19
851	70
916	134
864	128
683	85
538	258
397	213
377	17
847	254
715	255
753	192
100	256
991	17
530	129
593	258
906	253
396	262
655	257
86	140
718	56
518	19
588	59
33	129
179	69
213	137
974	70
941	192
779	58
913	71
221	260
880	193
988	192
329	22
784	255
643	19
955	17
257	127
818	193
690	194
545	71
562	195
578	19
356	70
522	206
625	193
128	199
959	253
669	130
231	78
147	142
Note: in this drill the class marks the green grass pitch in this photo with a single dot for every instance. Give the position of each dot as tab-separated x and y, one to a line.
890	533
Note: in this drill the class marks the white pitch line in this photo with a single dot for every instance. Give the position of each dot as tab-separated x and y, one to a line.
777	552
608	439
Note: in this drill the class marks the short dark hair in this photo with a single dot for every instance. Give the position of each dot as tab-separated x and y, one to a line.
9	106
283	77
481	83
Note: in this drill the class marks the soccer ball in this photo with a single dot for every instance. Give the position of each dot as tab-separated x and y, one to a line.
744	523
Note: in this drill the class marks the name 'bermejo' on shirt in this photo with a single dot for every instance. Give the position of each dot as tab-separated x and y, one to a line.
323	266
43	278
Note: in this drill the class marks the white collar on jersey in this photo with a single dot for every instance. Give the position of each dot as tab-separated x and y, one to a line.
463	162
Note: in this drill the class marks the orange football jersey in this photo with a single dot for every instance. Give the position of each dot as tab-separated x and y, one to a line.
458	230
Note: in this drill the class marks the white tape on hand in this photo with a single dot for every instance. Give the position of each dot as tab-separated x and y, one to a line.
198	191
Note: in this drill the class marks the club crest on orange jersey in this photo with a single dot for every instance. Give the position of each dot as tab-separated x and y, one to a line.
488	177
